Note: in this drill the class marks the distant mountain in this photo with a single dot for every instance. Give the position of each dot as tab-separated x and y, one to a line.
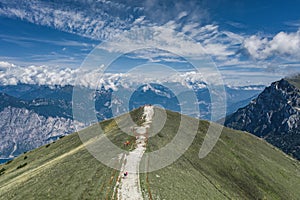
157	94
25	129
236	96
31	92
25	125
240	166
27	112
274	116
37	116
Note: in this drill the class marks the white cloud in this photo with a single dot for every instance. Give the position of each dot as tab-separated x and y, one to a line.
11	74
139	20
295	23
219	50
160	37
283	44
6	65
155	56
93	20
214	42
255	45
105	19
191	41
190	27
182	14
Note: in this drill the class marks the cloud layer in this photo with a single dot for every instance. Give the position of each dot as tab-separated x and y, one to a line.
97	20
174	29
106	19
11	74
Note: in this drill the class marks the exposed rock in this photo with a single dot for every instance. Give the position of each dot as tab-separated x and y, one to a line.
24	130
274	115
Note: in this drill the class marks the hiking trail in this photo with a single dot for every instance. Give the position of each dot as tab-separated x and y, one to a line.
129	187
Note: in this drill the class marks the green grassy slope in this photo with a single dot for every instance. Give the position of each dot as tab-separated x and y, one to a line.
239	167
63	169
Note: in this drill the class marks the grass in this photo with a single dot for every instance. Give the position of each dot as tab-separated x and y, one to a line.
240	166
73	176
63	169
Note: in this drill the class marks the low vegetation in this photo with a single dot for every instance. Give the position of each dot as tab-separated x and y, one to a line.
239	167
2	171
21	165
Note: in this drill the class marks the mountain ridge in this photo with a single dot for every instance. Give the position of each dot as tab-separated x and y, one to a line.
274	115
240	166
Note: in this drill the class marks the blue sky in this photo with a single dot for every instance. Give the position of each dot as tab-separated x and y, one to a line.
250	42
251	17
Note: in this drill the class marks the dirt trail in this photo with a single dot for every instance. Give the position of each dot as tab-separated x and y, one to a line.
129	186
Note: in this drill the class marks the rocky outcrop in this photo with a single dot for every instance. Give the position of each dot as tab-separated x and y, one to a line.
274	115
24	130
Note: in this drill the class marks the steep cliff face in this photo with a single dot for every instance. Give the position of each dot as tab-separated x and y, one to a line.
274	115
24	130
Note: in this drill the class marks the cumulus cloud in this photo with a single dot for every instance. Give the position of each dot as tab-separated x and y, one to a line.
11	74
282	44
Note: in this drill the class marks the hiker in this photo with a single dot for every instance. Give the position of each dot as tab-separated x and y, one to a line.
126	143
125	174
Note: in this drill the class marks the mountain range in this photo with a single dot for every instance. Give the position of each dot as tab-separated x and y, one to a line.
33	115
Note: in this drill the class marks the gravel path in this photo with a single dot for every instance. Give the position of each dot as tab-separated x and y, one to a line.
129	186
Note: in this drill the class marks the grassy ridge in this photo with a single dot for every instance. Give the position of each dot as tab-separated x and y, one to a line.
240	166
64	169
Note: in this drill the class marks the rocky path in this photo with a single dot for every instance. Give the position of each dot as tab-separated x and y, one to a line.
129	186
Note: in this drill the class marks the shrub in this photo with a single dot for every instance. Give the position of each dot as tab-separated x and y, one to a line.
2	171
22	165
160	135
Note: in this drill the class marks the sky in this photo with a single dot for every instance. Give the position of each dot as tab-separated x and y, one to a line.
247	42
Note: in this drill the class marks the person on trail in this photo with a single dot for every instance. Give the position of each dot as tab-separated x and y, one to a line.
125	174
126	143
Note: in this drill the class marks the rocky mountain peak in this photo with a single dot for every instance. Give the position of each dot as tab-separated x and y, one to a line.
274	115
